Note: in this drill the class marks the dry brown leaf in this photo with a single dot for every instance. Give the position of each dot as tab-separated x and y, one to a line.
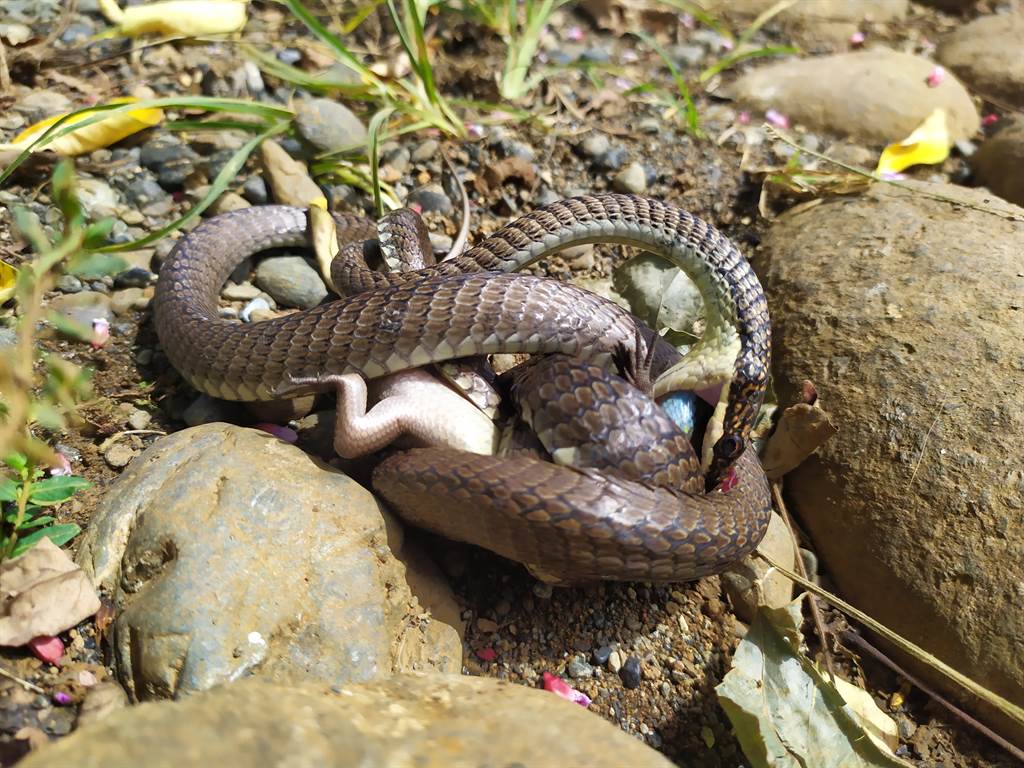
496	174
802	429
42	592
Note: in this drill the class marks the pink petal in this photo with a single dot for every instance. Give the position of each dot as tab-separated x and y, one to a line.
857	39
574	33
559	687
100	332
776	118
61	699
743	118
287	434
63	466
486	654
48	648
936	76
989	119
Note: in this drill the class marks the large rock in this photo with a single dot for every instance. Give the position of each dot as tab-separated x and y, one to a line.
999	162
427	721
988	55
907	314
231	553
833	19
875	96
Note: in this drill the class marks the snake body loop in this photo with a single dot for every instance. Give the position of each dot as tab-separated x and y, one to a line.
599	526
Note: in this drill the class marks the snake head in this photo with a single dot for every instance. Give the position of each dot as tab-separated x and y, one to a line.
728	448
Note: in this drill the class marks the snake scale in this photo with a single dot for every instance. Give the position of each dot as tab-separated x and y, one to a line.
573	523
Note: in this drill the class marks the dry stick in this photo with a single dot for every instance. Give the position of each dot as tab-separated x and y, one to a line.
24	683
850	637
819	625
1006	707
785	138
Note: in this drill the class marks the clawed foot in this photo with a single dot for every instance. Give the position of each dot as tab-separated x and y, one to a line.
635	364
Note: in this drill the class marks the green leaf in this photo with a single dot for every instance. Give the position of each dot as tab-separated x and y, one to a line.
62	184
96	264
58	534
69	327
9	489
96	234
46	415
54	490
35	522
785	713
16	460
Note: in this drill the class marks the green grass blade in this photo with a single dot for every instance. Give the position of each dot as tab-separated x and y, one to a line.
326	36
373	153
224	178
735	58
298	77
763	18
692	117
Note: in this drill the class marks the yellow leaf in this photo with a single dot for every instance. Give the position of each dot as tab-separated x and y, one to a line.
102	133
927	145
8	276
189	18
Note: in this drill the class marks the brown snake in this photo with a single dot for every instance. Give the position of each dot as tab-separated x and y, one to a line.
572	523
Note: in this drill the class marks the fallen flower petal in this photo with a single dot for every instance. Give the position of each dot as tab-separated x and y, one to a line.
287	434
48	648
776	118
559	687
102	133
857	39
486	654
61	699
100	332
989	119
936	76
928	144
63	466
189	18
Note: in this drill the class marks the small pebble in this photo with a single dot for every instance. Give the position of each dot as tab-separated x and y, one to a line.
241	292
630	673
601	655
615	661
426	151
139	419
291	281
69	284
255	190
542	590
631	179
119	455
611	160
431	199
579	669
136	277
486	625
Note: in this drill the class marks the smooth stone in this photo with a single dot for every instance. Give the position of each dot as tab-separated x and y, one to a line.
205	409
612	159
241	292
999	162
134	277
291	281
254	189
988	55
288	178
148	196
171	160
139	419
906	313
874	96
431	199
126	300
594	145
426	151
409	720
227	202
68	284
265	563
632	179
83	307
43	103
328	125
119	455
630	674
658	293
97	197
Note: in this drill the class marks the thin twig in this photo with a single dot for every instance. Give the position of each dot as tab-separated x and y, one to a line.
852	638
924	444
23	683
785	138
819	625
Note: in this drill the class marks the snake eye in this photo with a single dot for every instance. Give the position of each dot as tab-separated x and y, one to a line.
729	446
